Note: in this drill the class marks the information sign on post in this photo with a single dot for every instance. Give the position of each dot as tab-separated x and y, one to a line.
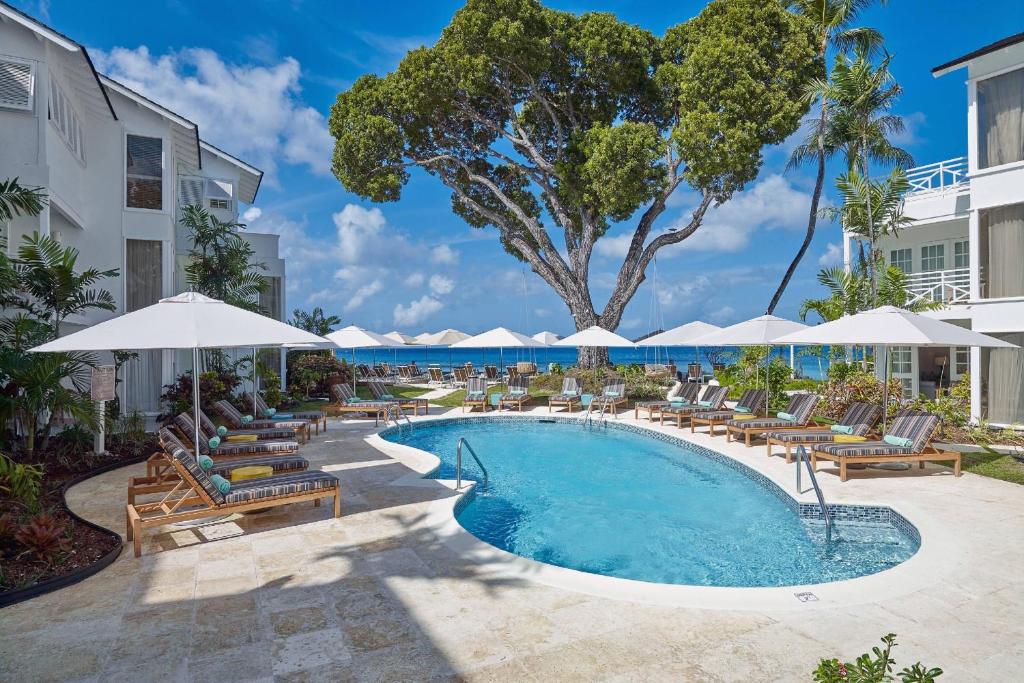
101	391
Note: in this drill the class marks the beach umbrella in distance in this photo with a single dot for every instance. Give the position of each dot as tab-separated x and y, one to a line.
400	337
595	336
547	338
186	321
445	337
499	338
355	337
888	326
763	330
684	335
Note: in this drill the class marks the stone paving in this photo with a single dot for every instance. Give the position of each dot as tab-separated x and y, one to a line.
377	595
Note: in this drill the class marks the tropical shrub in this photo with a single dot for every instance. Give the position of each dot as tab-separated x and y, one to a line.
43	536
20	482
312	374
837	395
838	372
873	667
213	386
954	408
221	264
127	434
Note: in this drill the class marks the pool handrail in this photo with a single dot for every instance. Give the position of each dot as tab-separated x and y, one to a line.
458	462
802	458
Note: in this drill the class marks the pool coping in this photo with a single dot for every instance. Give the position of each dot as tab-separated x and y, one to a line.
934	559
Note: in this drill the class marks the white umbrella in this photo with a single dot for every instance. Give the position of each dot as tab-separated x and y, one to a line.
887	326
684	335
547	338
498	338
355	337
594	336
443	338
186	321
763	330
422	337
400	337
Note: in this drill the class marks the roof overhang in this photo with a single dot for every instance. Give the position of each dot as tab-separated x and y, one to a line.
961	62
250	177
186	132
8	13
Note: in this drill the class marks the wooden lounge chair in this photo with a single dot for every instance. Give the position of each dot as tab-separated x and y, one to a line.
286	430
801	407
162	476
476	394
751	402
511	372
381	393
315	417
518	394
185	426
460	376
491	373
436	376
236	423
196	496
612	396
687	395
917	426
860	417
712	399
569	397
348	403
526	368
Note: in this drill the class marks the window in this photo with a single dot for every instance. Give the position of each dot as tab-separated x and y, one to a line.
144	168
1002	382
962	254
270	297
1001	119
17	84
1000	245
143	287
219	194
65	120
902	259
963	360
933	257
902	365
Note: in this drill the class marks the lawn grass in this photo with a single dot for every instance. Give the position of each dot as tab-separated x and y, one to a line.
454	399
994	465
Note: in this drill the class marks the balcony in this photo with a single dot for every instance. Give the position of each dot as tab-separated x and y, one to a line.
938	178
947	286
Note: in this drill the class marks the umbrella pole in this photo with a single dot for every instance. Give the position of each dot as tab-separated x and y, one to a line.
885	388
353	370
255	386
195	398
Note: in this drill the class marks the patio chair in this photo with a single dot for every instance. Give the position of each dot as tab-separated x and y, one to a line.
237	426
186	428
476	394
237	422
687	396
161	476
517	395
526	368
751	402
511	372
381	393
347	402
491	373
911	427
569	397
858	420
198	495
797	415
612	396
315	417
460	376
713	399
436	376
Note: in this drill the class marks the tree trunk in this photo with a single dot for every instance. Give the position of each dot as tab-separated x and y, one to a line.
592	357
871	224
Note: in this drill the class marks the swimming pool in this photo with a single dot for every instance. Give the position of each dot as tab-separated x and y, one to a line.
620	503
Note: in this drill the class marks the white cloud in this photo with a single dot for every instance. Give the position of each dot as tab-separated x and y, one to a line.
833	255
251	214
362	294
414	280
416	311
444	255
358	232
912	125
439	284
722	315
253	111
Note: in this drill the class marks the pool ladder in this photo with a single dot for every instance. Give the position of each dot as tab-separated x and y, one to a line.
589	419
392	413
803	458
458	462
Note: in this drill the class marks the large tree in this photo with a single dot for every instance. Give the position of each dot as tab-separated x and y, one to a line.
544	122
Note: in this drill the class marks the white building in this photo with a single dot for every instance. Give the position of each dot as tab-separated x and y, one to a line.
117	169
965	246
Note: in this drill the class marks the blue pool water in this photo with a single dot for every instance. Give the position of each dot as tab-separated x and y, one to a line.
614	502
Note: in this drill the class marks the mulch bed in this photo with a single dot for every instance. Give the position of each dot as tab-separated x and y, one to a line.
85	544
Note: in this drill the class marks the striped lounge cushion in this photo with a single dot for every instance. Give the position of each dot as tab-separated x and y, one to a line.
684	410
764	423
864	448
239	448
299	482
861	416
804	436
312	415
718	415
564	397
199	475
281	464
269	432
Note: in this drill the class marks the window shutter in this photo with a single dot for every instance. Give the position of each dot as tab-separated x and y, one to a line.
190	192
17	84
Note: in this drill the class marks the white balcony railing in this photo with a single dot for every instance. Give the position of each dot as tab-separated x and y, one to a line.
939	177
948	286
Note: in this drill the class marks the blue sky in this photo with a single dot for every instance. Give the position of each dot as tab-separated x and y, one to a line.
260	78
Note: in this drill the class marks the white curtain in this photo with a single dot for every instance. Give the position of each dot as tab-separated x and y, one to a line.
1006	382
1003	231
1001	119
143	285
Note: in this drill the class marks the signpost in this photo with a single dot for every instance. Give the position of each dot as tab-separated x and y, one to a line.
101	391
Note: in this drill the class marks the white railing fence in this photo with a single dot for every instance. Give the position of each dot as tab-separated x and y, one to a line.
938	177
948	286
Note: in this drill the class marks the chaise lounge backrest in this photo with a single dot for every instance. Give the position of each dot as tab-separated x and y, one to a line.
615	389
688	392
802	406
916	425
715	395
476	386
861	416
229	413
570	386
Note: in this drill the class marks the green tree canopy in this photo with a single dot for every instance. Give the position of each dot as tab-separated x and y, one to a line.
544	122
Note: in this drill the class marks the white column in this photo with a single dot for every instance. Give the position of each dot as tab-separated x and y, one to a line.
974	256
972	127
847	252
975	384
284	369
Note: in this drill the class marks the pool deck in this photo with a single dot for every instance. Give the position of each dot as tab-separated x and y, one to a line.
394	591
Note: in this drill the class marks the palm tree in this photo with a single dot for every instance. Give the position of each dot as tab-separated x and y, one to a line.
314	321
221	263
872	208
16	200
862	97
833	21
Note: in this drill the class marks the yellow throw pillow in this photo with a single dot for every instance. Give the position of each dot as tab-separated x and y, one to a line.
848	438
242	437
